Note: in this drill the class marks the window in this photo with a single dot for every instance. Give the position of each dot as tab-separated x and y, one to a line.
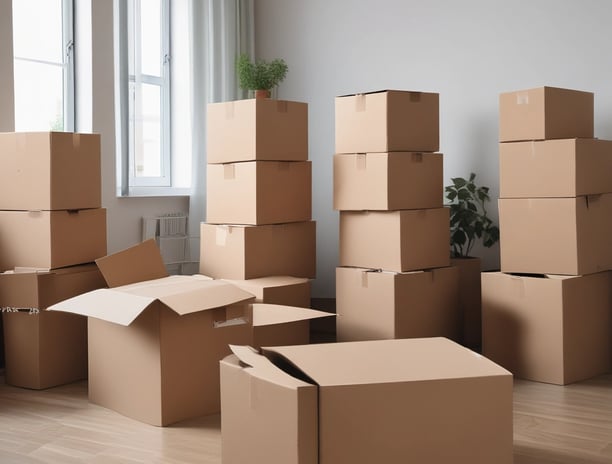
43	49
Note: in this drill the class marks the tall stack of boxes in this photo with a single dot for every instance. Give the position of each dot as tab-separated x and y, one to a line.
394	279
258	231
52	228
547	315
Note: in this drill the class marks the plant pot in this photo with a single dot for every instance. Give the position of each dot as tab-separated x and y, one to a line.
469	300
262	93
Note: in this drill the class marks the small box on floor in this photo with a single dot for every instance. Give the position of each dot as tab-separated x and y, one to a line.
553	329
365	402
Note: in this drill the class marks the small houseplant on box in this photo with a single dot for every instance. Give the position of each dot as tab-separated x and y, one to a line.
260	76
469	223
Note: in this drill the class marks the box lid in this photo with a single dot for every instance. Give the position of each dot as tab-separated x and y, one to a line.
181	294
386	361
268	282
270	314
370	92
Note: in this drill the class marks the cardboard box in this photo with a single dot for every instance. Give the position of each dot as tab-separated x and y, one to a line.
397	241
387	120
545	113
43	348
392	401
259	192
388	181
374	305
555	168
49	171
553	329
570	236
51	239
260	129
249	252
279	290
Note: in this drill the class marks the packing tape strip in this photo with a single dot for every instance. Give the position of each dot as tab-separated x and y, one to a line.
361	161
360	102
284	165
221	233
282	106
229	171
519	285
415	97
417	157
76	141
364	279
522	98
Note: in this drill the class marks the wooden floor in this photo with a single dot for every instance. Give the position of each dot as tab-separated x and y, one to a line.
552	424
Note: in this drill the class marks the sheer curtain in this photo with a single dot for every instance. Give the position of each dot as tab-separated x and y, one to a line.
219	30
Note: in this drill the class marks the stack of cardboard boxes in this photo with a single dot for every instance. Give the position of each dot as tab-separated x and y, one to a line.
394	279
52	228
547	314
259	233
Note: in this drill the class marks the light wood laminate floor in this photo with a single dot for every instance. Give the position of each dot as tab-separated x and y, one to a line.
552	425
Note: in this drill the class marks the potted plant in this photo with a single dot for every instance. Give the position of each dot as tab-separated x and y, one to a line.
260	76
469	224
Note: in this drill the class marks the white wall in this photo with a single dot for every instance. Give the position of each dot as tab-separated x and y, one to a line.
7	118
468	51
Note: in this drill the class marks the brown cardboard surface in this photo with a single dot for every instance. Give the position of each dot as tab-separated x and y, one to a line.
545	113
391	401
49	171
51	239
375	305
387	181
261	129
469	301
280	290
45	349
388	120
555	168
570	236
248	252
550	329
397	241
259	192
135	264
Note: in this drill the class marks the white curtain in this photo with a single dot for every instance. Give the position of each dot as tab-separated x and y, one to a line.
219	31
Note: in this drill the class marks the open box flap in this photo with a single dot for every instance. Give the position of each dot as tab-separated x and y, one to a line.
271	314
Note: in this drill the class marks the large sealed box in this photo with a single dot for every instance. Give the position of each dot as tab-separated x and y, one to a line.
399	241
248	252
374	305
279	290
259	192
49	171
553	329
44	348
51	239
545	113
257	129
570	236
555	168
387	120
388	181
393	401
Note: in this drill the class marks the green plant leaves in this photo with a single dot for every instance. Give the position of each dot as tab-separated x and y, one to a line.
260	75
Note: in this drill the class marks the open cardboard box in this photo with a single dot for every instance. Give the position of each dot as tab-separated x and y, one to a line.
279	290
391	401
155	344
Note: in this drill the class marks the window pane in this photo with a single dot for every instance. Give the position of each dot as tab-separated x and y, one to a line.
37	30
147	131
38	97
150	24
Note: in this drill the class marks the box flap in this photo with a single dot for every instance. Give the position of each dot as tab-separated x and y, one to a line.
106	304
271	314
386	361
136	264
269	281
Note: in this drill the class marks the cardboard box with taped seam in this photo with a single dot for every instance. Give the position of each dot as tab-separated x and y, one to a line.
279	290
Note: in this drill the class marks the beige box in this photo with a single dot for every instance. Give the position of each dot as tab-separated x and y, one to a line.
545	113
249	252
387	120
553	329
555	168
49	171
257	129
43	348
278	290
399	241
388	181
570	236
374	305
393	401
259	192
51	239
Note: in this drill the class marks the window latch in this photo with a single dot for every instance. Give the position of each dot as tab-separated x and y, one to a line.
69	48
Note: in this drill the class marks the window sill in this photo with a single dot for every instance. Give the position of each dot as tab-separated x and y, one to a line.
148	192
